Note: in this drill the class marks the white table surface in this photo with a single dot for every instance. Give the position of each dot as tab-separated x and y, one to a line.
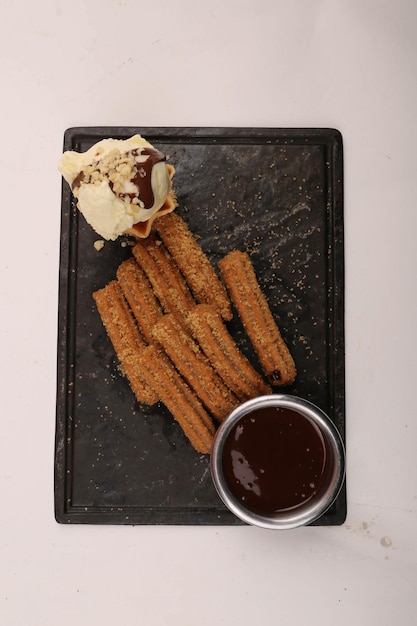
344	64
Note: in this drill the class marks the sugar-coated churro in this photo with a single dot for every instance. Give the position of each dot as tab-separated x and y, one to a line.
178	398
253	309
167	282
124	334
194	366
140	296
225	357
194	264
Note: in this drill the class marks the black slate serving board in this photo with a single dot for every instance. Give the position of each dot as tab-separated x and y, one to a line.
277	193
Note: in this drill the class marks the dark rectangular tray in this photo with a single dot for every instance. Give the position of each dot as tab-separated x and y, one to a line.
277	193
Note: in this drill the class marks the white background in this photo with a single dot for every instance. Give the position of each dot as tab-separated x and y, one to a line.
344	64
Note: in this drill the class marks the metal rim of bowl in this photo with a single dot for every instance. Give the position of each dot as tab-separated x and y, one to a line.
289	519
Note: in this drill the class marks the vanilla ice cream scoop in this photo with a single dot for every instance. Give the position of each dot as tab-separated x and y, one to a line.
118	183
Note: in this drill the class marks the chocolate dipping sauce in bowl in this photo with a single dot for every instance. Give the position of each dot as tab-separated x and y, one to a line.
278	462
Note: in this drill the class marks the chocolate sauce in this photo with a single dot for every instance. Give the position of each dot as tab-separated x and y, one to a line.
77	180
274	459
142	178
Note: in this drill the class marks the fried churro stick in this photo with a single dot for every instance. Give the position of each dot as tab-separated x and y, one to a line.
194	264
239	276
193	365
167	282
225	357
177	396
127	341
140	296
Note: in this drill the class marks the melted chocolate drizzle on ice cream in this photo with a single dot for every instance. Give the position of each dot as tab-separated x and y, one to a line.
118	183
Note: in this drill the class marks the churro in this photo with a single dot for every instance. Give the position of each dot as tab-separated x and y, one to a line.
253	309
225	357
194	264
167	282
177	396
127	341
194	366
140	296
